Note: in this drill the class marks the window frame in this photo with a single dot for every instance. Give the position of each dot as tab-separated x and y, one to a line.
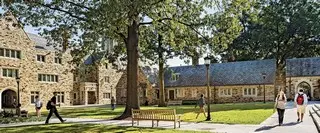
6	72
248	92
225	92
33	95
10	53
47	78
41	58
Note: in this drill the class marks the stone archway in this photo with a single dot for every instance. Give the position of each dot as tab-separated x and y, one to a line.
8	97
307	89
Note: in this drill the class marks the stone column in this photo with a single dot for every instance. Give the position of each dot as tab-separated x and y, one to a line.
85	97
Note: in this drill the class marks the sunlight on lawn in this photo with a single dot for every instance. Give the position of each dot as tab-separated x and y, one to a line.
237	113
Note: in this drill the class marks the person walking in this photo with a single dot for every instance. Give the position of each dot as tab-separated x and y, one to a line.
53	109
113	106
201	103
301	102
280	105
38	106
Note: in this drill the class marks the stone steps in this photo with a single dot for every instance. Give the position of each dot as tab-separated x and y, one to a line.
315	115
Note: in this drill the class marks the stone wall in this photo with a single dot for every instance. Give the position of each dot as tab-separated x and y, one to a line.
313	81
146	92
237	93
13	37
108	79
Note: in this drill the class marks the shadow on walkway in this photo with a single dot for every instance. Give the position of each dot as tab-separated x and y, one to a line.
265	128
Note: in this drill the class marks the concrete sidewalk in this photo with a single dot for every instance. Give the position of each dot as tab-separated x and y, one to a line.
268	126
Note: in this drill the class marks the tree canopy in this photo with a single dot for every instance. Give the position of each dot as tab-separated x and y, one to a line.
85	22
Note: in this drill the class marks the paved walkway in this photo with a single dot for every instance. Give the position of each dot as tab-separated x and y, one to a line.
268	126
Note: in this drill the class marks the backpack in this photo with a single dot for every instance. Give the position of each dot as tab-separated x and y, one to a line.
48	105
300	99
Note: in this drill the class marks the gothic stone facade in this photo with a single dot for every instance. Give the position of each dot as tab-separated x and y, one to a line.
40	72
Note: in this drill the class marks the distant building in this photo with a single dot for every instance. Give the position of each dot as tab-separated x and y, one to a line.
303	73
229	82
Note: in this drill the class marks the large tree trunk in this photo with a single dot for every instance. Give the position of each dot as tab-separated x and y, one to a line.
280	82
161	74
132	101
195	60
161	84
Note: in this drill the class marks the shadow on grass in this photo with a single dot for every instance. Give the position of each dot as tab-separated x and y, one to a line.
78	128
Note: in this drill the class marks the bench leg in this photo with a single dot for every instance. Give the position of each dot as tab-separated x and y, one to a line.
175	124
152	124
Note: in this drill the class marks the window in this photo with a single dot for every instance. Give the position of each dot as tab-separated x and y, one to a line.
180	93
106	95
74	95
10	53
60	97
57	60
33	96
47	78
11	73
106	66
41	58
194	93
249	92
175	77
226	92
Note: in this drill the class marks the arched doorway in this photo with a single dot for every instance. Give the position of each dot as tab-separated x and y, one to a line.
8	98
307	89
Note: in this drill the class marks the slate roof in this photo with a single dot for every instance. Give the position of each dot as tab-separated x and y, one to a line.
234	73
94	57
41	43
303	67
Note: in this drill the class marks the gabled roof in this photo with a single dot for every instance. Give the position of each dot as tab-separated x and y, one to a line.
303	67
234	73
41	43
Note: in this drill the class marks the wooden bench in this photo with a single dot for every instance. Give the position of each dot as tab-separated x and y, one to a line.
155	115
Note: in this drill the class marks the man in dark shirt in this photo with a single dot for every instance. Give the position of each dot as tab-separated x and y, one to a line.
53	109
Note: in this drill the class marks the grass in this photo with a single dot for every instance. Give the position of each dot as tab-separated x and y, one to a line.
238	113
20	119
87	128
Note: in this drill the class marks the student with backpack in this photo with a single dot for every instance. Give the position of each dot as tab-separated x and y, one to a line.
301	101
51	105
280	105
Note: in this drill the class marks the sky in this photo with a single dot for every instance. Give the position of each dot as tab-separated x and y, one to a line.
175	61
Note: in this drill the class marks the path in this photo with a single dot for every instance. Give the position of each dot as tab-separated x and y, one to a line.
268	126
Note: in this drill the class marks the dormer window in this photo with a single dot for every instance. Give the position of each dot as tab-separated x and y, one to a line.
175	76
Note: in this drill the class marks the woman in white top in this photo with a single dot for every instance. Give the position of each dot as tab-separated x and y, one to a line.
38	105
280	104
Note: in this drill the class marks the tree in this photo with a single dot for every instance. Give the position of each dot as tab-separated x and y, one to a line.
90	20
283	29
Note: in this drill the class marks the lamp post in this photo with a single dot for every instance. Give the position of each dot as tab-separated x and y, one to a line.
207	63
264	87
18	84
290	96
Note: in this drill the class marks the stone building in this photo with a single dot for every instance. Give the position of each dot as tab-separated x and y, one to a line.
229	82
42	69
303	73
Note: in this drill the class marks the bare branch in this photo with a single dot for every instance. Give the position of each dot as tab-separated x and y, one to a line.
78	5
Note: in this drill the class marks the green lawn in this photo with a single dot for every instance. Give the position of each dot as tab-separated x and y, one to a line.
86	128
238	113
